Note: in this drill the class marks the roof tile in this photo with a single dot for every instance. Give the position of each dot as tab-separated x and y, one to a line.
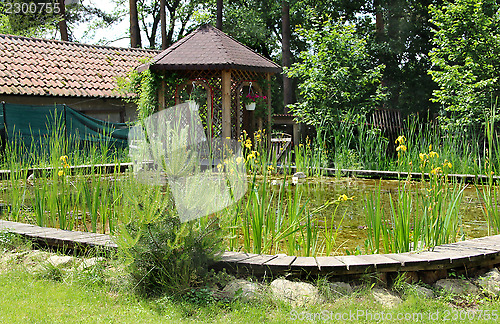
54	68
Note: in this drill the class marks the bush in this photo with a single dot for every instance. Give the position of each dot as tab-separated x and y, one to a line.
172	257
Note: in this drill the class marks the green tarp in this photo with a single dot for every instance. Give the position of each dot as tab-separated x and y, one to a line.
31	125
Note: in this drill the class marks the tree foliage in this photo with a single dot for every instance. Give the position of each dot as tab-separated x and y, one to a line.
336	74
466	59
45	19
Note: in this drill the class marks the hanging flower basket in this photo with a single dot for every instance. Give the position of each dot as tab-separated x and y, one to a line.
250	106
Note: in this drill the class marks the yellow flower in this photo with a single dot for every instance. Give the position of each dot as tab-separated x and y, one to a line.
436	170
345	198
433	154
270	168
401	147
447	164
423	156
250	156
239	159
219	167
400	140
248	143
60	173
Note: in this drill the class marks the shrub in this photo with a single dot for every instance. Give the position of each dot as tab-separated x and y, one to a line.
171	257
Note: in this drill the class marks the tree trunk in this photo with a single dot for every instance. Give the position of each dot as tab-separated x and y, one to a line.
219	15
135	32
286	54
63	28
163	24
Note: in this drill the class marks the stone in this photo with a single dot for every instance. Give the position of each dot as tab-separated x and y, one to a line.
490	282
457	286
90	262
296	293
386	298
299	175
421	292
339	289
61	261
239	288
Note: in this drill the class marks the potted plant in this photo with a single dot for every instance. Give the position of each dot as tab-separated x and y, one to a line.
253	101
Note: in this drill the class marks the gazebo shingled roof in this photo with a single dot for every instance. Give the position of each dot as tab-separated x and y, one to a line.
208	48
223	66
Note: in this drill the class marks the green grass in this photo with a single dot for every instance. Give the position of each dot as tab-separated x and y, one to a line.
24	299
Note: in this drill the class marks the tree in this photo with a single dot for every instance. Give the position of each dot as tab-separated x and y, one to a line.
335	75
52	17
466	60
63	27
402	41
135	32
286	55
220	5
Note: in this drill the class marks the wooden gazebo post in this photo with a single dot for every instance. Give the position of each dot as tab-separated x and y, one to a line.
226	103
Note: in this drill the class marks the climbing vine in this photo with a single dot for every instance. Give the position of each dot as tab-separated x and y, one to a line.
142	89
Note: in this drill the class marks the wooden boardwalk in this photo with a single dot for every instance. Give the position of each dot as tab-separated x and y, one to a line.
394	175
479	252
371	174
58	238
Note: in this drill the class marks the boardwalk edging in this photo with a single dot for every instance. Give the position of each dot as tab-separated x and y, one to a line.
484	251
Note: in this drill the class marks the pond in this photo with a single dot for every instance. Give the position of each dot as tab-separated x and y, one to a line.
354	225
318	216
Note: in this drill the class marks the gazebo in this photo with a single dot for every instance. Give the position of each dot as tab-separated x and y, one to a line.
225	71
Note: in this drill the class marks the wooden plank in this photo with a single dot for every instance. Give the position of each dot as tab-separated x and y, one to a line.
304	262
479	245
330	264
456	254
257	260
473	251
281	261
233	257
356	264
405	259
382	262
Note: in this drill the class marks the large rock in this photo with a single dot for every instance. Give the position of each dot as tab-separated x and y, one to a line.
296	293
490	282
61	261
338	289
240	288
386	298
422	292
457	286
90	262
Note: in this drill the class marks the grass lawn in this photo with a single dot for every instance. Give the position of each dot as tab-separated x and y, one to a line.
26	299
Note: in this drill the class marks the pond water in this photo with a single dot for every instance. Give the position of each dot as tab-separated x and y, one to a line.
352	234
315	192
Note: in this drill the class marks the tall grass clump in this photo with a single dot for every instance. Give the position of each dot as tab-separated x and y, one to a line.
489	193
422	215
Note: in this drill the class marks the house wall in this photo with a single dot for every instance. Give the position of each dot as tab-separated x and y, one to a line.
113	110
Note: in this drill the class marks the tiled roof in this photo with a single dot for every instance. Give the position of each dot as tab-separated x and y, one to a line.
31	66
208	48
